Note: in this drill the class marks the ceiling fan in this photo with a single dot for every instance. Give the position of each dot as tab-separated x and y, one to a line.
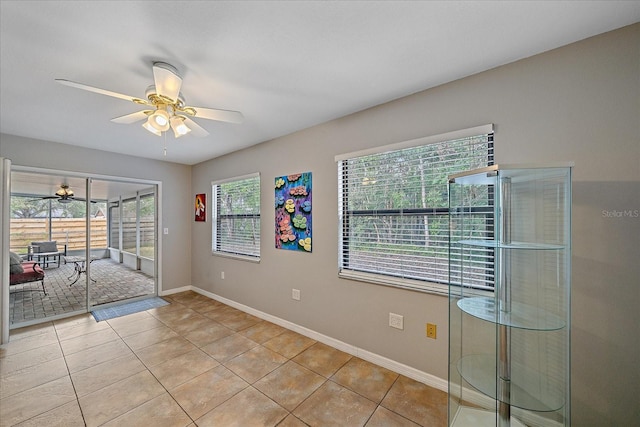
65	195
166	105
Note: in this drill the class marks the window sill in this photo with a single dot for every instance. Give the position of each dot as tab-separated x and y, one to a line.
413	285
255	260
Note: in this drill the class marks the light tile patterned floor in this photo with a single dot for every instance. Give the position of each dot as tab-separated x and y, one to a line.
198	362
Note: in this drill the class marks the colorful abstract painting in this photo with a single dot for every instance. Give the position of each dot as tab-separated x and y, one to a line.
200	206
293	212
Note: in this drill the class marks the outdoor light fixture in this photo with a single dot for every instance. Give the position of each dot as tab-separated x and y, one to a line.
64	191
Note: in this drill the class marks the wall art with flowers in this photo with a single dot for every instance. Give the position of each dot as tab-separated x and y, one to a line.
293	212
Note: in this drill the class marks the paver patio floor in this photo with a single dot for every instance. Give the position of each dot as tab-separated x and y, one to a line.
114	282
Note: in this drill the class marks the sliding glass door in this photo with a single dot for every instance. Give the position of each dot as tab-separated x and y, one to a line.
104	232
123	268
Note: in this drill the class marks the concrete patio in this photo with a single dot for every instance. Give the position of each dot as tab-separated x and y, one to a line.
114	282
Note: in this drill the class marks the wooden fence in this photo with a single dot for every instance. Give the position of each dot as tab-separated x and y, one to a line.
64	230
147	234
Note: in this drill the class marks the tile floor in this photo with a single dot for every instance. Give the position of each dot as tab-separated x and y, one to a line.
198	362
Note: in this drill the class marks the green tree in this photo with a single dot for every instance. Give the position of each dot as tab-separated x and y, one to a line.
30	207
25	207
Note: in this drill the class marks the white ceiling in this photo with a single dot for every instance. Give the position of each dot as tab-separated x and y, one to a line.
285	65
37	183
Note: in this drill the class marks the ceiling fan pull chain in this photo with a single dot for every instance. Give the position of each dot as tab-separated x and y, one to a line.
165	144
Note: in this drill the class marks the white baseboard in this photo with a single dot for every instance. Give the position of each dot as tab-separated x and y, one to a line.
408	371
177	290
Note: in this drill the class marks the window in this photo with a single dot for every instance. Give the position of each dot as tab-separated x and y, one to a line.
129	226
147	225
114	225
393	207
132	224
236	216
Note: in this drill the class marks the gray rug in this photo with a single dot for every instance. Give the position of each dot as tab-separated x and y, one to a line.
128	308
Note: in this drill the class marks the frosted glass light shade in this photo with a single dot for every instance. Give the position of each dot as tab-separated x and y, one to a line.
147	125
159	120
179	127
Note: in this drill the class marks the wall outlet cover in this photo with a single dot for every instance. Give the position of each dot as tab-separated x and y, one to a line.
396	321
432	330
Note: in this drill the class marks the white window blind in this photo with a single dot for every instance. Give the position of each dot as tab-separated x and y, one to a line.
393	209
236	216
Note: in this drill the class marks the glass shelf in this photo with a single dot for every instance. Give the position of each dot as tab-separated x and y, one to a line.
510	229
474	417
479	370
512	245
521	316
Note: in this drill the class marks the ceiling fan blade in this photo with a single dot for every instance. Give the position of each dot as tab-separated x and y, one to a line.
102	91
167	80
220	115
78	199
196	129
43	198
133	117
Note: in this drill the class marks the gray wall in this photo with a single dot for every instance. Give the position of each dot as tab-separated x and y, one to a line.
175	198
578	103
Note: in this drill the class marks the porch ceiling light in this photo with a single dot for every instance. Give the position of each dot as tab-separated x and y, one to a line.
64	191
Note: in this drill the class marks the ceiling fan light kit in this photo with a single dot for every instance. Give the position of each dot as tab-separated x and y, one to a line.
160	119
65	195
169	108
179	127
147	125
64	191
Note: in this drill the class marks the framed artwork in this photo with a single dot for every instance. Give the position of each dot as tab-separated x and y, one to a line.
200	206
293	212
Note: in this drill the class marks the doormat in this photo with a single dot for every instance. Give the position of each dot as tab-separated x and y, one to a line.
128	308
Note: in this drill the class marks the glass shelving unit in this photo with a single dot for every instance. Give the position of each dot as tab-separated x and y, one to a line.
509	296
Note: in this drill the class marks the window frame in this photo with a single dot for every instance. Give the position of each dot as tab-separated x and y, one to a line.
217	218
345	216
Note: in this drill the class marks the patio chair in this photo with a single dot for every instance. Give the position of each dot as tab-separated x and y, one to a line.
24	271
45	252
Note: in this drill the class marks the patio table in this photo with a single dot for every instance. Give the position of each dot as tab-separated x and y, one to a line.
79	267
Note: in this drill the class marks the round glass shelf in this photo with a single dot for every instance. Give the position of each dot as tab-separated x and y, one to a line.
521	316
479	370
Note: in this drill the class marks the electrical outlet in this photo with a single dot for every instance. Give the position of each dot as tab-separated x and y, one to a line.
295	294
432	330
396	321
222	275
